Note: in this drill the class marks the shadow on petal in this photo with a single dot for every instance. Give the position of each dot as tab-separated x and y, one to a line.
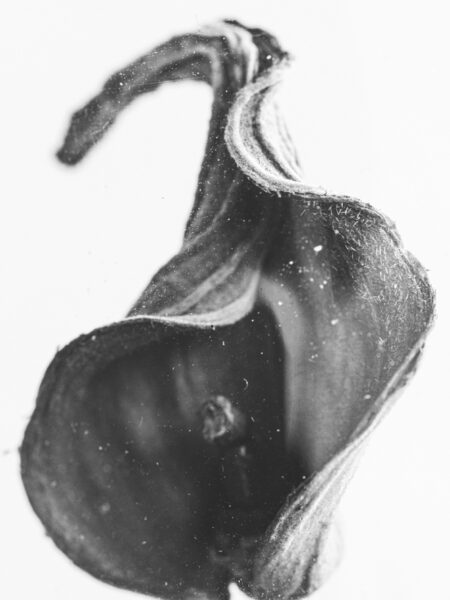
116	466
354	309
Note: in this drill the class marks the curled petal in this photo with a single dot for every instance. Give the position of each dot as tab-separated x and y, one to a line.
228	216
291	314
114	460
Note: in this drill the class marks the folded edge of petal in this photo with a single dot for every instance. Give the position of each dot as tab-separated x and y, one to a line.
297	554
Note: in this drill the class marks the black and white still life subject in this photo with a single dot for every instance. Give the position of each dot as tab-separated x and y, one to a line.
207	437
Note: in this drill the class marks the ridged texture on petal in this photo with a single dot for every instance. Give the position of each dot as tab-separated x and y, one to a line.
354	309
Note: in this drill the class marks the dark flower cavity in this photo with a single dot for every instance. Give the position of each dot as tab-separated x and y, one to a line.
208	436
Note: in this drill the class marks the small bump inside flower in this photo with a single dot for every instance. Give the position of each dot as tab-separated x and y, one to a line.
222	422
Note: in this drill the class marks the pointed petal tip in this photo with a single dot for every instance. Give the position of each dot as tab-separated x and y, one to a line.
67	158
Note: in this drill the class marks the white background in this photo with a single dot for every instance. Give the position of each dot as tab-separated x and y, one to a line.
368	105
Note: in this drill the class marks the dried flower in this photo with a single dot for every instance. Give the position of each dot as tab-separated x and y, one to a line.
208	436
